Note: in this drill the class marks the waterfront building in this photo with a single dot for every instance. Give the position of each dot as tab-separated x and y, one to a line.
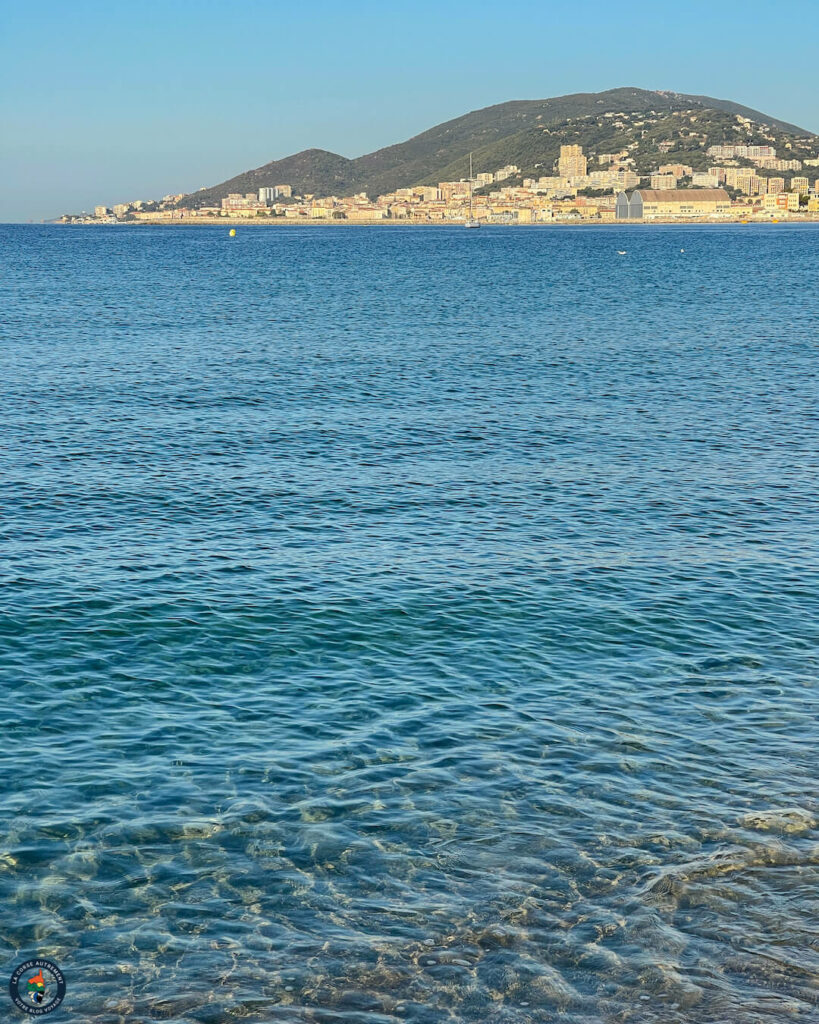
366	213
622	207
679	204
101	211
783	201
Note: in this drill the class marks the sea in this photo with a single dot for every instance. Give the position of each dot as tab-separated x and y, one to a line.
411	624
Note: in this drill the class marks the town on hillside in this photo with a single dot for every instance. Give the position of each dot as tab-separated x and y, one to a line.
733	180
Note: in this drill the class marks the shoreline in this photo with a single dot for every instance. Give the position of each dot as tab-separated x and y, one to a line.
320	223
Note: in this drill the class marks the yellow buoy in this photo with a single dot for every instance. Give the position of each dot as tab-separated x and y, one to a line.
233	232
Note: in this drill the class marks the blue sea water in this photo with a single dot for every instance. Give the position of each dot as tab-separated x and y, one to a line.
411	624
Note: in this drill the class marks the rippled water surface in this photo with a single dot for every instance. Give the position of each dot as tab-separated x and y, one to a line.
411	625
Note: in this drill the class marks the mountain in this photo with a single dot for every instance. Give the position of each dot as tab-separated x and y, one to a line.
749	112
511	132
311	171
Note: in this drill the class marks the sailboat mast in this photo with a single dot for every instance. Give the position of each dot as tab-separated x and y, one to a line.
470	186
471	222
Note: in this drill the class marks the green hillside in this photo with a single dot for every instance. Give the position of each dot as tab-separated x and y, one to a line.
523	132
311	171
691	132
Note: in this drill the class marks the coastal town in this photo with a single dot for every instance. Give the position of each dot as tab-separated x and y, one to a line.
740	182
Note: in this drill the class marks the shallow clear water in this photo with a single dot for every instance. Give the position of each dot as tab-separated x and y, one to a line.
411	625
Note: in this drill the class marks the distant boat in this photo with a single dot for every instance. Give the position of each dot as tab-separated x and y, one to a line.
471	222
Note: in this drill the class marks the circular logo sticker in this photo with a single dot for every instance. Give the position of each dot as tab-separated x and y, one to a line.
37	987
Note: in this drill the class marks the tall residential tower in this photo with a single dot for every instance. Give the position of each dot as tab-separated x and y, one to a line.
572	163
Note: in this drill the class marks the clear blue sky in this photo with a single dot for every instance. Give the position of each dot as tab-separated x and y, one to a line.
105	102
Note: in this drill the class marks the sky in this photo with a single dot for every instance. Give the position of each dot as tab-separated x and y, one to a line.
110	102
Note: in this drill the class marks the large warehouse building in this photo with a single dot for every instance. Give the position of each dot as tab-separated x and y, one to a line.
654	204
